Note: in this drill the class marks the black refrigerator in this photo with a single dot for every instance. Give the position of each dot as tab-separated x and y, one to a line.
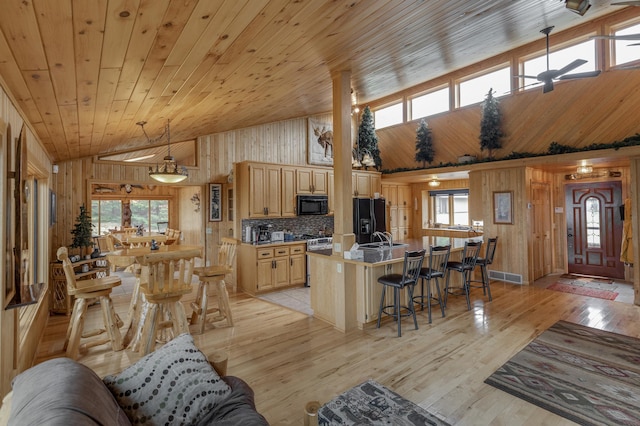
368	217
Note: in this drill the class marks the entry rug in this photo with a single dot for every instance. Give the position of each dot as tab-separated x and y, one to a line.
370	403
589	376
584	280
583	291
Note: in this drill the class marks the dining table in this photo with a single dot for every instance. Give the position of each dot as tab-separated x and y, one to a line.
136	256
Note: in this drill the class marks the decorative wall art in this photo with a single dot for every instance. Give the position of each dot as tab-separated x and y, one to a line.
215	202
320	143
503	207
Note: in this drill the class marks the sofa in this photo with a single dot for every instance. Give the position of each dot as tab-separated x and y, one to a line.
173	385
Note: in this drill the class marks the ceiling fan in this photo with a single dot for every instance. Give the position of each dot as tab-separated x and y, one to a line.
547	77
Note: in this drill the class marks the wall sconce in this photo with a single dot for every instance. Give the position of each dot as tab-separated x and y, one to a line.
583	169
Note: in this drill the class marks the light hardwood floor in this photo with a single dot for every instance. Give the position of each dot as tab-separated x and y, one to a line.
290	358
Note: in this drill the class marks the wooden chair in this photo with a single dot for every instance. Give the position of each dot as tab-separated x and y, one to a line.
165	278
84	291
214	275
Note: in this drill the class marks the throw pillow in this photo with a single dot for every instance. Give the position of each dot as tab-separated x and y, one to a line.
172	385
63	392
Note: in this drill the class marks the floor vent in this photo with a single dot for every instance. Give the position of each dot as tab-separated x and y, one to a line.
505	276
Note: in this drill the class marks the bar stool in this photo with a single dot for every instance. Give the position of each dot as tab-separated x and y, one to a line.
408	279
83	291
165	279
483	262
438	258
214	275
465	267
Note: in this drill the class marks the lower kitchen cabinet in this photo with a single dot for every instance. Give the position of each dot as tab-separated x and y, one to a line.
266	268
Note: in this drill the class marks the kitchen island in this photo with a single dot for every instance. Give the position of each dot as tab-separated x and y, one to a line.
346	292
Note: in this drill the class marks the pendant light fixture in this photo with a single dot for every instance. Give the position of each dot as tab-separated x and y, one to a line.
169	171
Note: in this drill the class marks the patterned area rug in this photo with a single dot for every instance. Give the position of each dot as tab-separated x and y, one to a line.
370	403
602	288
589	376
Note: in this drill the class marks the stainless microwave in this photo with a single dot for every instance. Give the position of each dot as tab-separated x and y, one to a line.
312	204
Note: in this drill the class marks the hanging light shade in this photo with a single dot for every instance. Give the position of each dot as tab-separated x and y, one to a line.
169	171
367	159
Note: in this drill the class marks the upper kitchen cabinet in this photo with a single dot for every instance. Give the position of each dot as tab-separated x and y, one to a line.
288	176
259	189
311	181
365	184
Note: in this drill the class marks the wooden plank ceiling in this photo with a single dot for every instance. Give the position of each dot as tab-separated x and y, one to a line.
84	72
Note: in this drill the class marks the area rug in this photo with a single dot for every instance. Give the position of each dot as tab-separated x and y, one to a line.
581	278
370	403
583	291
589	376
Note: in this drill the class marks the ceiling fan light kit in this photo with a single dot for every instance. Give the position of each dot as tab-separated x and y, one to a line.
578	6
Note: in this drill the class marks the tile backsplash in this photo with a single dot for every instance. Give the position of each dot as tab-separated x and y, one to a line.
312	225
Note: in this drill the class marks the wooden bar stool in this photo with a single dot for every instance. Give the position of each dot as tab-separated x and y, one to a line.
165	279
214	275
84	291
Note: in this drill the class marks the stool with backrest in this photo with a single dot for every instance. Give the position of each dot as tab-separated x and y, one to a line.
214	275
433	271
483	262
408	279
84	291
465	267
165	278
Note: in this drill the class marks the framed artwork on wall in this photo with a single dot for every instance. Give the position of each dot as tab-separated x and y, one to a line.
503	207
215	202
320	143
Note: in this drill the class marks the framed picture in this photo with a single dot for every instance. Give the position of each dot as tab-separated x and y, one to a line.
503	207
320	143
215	202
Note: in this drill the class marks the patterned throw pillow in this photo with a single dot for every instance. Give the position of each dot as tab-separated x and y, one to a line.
173	385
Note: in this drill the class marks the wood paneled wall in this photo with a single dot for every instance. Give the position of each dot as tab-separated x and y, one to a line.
576	113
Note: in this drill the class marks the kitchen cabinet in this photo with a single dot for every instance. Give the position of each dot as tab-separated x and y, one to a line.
398	201
311	181
264	184
288	176
266	268
365	184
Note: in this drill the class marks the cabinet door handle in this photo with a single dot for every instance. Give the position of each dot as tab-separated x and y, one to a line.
290	262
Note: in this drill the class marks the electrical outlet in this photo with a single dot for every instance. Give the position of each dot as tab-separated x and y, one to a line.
209	231
339	267
337	247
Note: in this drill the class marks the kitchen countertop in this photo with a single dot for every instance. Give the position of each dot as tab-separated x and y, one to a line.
274	243
396	254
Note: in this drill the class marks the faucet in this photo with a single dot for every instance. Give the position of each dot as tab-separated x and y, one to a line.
384	237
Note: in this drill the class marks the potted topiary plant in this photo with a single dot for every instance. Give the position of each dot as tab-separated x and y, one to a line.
424	144
490	125
82	231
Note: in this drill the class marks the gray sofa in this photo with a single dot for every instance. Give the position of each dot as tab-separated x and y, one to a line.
173	385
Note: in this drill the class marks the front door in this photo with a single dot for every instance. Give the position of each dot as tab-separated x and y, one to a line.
594	228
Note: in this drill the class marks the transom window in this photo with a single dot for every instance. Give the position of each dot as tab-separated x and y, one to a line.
430	103
474	90
388	116
624	50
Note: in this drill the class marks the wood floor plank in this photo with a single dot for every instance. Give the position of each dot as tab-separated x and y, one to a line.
290	358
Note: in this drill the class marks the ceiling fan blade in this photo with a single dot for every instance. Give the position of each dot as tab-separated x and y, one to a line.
573	65
626	3
526	76
580	75
616	37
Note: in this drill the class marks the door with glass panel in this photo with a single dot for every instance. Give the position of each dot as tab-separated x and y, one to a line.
594	228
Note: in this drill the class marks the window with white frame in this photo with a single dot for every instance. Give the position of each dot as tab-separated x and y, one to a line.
559	59
474	90
430	103
626	51
388	116
448	207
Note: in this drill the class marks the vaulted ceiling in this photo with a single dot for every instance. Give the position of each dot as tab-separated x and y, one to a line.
85	72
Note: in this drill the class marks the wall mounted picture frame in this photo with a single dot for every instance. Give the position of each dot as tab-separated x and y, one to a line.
215	202
503	207
320	143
